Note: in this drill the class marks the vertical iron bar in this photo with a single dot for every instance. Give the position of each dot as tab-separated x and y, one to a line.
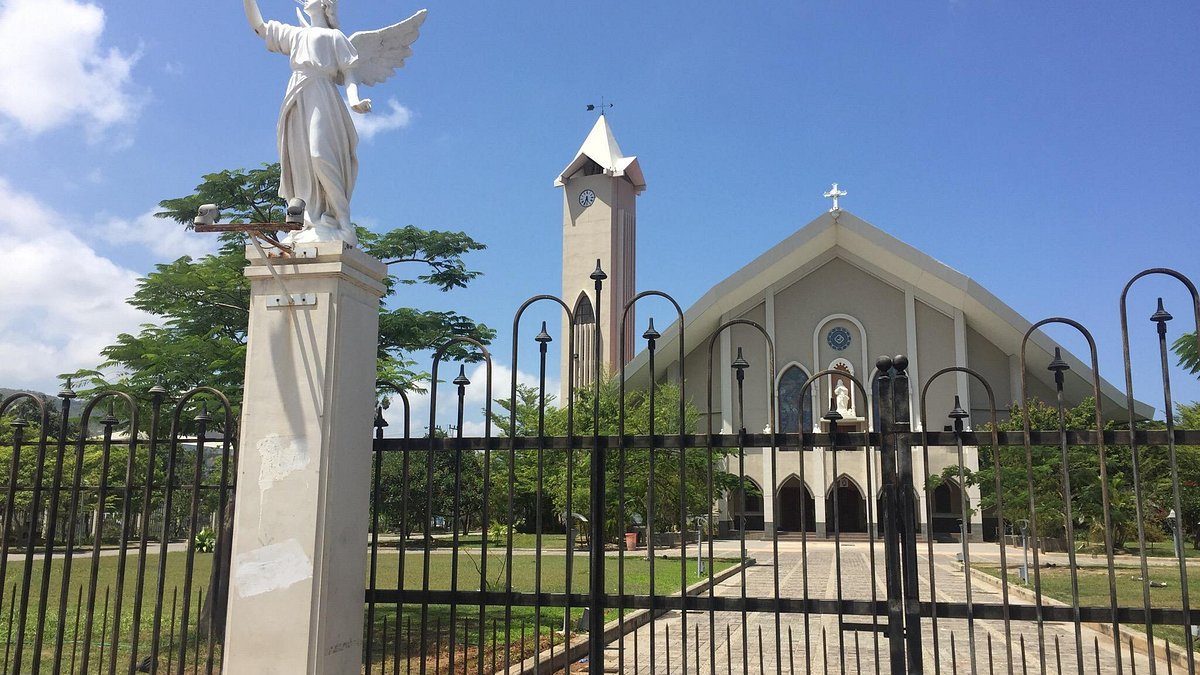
18	426
104	626
75	632
202	421
109	421
171	636
651	497
912	608
35	501
168	503
543	339
157	393
1058	366
891	538
126	515
833	416
962	482
373	565
461	383
67	394
1160	318
597	513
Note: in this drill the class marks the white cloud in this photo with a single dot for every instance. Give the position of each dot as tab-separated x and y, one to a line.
376	121
54	71
61	301
167	239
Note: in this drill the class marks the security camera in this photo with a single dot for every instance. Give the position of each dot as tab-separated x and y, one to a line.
207	214
295	211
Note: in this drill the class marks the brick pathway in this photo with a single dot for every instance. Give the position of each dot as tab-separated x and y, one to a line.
751	646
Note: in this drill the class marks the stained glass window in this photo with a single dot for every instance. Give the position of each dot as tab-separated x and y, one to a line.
792	410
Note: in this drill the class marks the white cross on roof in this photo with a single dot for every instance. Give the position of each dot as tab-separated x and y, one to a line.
833	194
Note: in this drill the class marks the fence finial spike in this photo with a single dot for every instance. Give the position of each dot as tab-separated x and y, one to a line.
67	391
462	380
598	274
1058	365
652	334
544	336
740	363
1161	315
958	413
158	389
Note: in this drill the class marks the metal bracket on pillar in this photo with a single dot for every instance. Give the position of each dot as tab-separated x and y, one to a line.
291	300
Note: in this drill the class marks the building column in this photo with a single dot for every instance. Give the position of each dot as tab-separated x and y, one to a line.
304	466
769	488
820	482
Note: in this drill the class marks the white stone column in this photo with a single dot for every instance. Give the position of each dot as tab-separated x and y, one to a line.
304	464
768	488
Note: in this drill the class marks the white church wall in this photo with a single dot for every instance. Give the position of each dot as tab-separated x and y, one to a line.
837	287
935	349
992	363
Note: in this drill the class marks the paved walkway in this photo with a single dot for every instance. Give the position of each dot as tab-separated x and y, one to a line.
751	647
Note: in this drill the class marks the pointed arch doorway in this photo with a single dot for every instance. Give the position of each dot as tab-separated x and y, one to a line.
792	496
845	506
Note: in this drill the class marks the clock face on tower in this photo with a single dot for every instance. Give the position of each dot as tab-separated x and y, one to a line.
587	198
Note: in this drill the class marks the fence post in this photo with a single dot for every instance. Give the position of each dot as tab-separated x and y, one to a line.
301	515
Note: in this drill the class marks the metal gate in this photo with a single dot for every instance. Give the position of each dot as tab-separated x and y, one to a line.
482	578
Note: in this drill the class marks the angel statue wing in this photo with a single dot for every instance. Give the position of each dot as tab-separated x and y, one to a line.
381	52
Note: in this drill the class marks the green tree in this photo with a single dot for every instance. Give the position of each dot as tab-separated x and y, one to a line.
670	496
202	305
1187	348
1083	464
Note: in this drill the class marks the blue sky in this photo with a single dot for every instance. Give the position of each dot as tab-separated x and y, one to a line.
1046	151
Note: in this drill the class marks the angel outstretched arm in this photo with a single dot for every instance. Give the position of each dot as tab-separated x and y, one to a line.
254	17
358	105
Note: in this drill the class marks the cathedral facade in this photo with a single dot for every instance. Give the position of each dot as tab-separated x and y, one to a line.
835	295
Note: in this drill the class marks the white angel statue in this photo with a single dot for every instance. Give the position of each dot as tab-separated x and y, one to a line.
318	145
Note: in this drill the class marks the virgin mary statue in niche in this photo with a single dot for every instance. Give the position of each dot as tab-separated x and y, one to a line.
318	145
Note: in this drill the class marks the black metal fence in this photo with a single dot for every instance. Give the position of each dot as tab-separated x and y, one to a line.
569	538
114	553
588	537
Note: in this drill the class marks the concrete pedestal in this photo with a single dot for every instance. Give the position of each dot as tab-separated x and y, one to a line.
304	464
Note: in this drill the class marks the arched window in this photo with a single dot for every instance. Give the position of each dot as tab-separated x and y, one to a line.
795	410
747	506
584	358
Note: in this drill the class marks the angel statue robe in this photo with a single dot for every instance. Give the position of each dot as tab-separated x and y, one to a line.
318	144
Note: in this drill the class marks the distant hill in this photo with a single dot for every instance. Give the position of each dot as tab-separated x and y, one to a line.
52	401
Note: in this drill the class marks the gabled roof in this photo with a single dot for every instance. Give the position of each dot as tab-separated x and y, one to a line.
601	147
842	234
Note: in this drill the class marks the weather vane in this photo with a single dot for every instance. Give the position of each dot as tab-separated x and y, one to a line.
602	107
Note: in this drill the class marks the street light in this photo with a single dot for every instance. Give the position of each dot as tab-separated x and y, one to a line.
700	522
1024	525
1173	524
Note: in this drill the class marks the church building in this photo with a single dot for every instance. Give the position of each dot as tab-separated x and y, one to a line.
836	294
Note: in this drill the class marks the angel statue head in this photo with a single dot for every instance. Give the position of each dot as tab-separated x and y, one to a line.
318	143
326	9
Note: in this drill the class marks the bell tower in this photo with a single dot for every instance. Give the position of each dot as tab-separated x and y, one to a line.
600	189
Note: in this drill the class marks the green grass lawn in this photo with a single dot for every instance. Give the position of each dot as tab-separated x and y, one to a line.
73	628
538	633
74	634
1093	590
